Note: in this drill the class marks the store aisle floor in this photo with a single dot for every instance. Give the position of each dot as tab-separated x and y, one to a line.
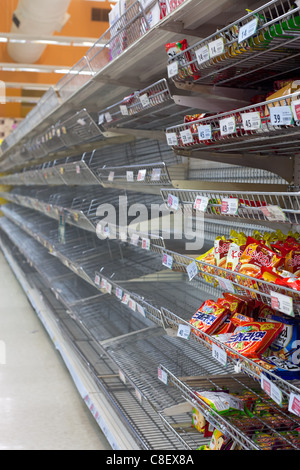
40	408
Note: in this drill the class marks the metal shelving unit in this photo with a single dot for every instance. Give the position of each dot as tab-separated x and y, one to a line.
85	145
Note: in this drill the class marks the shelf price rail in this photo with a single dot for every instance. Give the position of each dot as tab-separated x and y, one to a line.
270	126
264	40
278	207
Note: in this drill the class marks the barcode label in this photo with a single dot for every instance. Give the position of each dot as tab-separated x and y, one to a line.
171	138
281	116
247	30
124	110
173	69
186	136
144	100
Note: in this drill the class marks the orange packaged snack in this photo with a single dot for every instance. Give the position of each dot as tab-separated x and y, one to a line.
209	317
255	257
251	339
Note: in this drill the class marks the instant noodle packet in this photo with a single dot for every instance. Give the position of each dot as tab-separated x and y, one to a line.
209	317
255	257
251	339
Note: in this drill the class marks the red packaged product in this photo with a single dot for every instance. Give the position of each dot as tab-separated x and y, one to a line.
255	257
209	317
251	339
292	262
184	70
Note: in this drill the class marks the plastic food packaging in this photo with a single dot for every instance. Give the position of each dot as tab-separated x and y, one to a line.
209	317
175	48
253	338
221	402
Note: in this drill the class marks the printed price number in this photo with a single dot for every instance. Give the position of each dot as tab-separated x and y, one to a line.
171	138
219	354
186	136
251	121
227	126
201	203
248	30
204	132
141	175
144	99
216	47
124	110
146	243
281	116
202	55
184	331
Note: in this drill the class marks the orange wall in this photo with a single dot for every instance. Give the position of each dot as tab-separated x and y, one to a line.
79	25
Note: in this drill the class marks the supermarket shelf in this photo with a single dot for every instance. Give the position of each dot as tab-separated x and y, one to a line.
237	383
94	82
252	205
248	52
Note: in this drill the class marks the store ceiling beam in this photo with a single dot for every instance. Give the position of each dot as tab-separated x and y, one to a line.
28	86
47	40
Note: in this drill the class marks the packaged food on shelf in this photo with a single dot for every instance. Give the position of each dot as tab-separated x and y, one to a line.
117	33
219	441
185	68
201	424
209	317
251	339
222	402
287	89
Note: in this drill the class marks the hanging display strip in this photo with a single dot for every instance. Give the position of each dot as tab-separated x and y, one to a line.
233	405
270	124
231	359
264	39
242	282
281	207
138	102
149	174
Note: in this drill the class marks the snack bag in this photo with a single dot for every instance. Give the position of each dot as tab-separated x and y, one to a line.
221	402
176	48
256	256
220	442
209	317
200	423
251	339
292	262
221	248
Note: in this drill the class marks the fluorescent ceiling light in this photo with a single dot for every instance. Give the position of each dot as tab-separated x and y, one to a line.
47	40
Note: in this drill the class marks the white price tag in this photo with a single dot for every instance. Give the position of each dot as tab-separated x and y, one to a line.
283	303
129	176
204	132
138	395
251	121
132	304
108	117
162	376
184	331
229	206
125	299
202	55
108	287
77	169
201	203
134	239
141	175
192	270
274	213
97	280
111	176
171	138
144	100
167	261
124	110
271	389
156	174
216	47
281	115
100	119
141	310
173	69
173	202
119	293
103	283
226	285
294	404
219	354
248	30
227	125
146	243
186	136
